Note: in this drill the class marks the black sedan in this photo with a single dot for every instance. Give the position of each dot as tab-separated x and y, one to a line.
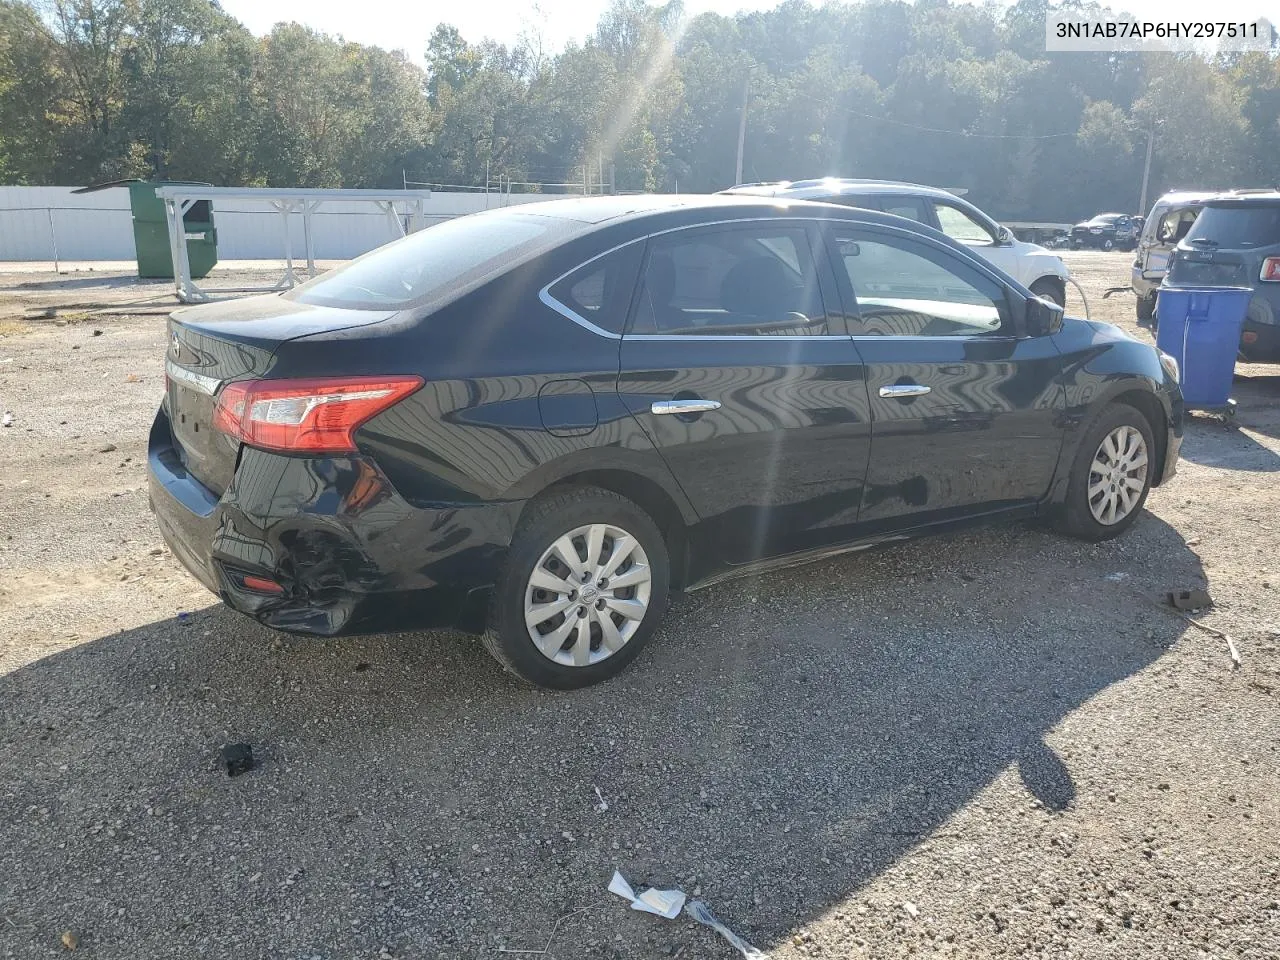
535	423
1107	231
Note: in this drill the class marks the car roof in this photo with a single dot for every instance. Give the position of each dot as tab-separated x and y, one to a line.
1255	199
836	186
591	213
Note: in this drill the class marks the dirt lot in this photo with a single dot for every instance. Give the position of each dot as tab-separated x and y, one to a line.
991	744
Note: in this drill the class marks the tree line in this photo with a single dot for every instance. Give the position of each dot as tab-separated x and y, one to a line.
933	92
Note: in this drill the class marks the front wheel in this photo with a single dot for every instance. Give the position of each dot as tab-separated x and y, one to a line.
1111	476
585	584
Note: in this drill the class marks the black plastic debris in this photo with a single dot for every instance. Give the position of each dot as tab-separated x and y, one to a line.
1195	599
238	758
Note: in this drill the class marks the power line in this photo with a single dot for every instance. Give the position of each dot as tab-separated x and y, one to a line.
924	129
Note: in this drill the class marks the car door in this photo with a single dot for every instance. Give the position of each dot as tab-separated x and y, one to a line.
965	411
749	385
958	224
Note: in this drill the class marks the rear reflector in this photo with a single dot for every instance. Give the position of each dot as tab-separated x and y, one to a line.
262	585
1270	270
306	416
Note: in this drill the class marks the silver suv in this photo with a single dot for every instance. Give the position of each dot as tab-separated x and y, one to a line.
1041	272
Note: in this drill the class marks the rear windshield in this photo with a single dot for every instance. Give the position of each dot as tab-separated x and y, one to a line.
435	263
1238	227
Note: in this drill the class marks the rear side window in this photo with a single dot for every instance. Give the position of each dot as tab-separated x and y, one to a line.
434	263
599	292
913	208
906	289
1238	227
731	281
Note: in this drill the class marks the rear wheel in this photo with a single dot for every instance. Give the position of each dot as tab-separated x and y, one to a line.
585	584
1051	288
1111	476
1146	307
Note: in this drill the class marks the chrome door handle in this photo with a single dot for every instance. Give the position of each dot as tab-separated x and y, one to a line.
899	390
659	407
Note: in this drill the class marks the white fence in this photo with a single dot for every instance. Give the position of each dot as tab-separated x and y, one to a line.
47	223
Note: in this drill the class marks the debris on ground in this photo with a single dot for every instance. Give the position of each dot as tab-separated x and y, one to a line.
662	903
238	758
107	448
912	910
7	419
70	940
603	805
1117	577
556	926
1193	599
700	912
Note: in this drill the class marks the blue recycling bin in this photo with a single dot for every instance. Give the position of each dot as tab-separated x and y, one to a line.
1200	328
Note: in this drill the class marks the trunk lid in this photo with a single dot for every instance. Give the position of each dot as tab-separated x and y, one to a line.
215	344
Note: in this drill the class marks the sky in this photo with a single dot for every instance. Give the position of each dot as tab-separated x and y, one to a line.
395	24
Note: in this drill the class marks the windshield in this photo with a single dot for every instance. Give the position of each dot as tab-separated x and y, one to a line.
433	263
1237	227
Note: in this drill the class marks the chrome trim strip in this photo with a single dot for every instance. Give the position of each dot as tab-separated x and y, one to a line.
206	385
676	338
568	314
545	296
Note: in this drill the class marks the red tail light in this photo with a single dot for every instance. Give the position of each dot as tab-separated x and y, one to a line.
1270	269
306	416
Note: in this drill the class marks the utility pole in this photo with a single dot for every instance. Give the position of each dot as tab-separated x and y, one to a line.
586	187
613	177
742	126
1146	171
600	168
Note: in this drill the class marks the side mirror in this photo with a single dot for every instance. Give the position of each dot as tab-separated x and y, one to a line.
1004	236
1043	317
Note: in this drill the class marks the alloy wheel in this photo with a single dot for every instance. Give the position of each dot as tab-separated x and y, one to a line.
587	595
1118	475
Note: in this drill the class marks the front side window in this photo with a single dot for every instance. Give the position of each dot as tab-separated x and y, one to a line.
907	289
744	280
958	225
434	263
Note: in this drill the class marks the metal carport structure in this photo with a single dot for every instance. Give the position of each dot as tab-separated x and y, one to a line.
179	198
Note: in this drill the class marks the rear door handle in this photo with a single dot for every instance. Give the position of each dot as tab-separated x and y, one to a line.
900	390
659	407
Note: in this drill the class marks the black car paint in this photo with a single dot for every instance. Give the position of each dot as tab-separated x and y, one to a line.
412	530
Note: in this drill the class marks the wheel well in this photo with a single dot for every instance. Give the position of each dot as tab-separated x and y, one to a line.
652	499
1150	407
1056	282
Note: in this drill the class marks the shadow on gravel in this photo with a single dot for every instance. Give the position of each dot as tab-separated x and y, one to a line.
1211	442
781	743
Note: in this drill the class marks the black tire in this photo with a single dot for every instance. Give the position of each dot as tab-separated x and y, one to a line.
1051	288
1075	517
546	520
1108	244
1145	309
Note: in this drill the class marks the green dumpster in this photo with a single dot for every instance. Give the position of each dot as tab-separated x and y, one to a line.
151	229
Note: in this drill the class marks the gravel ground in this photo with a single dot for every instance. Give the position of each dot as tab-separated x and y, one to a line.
988	744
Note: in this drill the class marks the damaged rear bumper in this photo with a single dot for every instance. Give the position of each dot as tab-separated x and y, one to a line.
349	554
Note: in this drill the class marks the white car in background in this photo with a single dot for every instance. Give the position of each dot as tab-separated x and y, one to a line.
1037	269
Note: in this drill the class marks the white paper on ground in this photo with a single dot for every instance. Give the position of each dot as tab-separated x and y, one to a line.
665	903
662	903
700	912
